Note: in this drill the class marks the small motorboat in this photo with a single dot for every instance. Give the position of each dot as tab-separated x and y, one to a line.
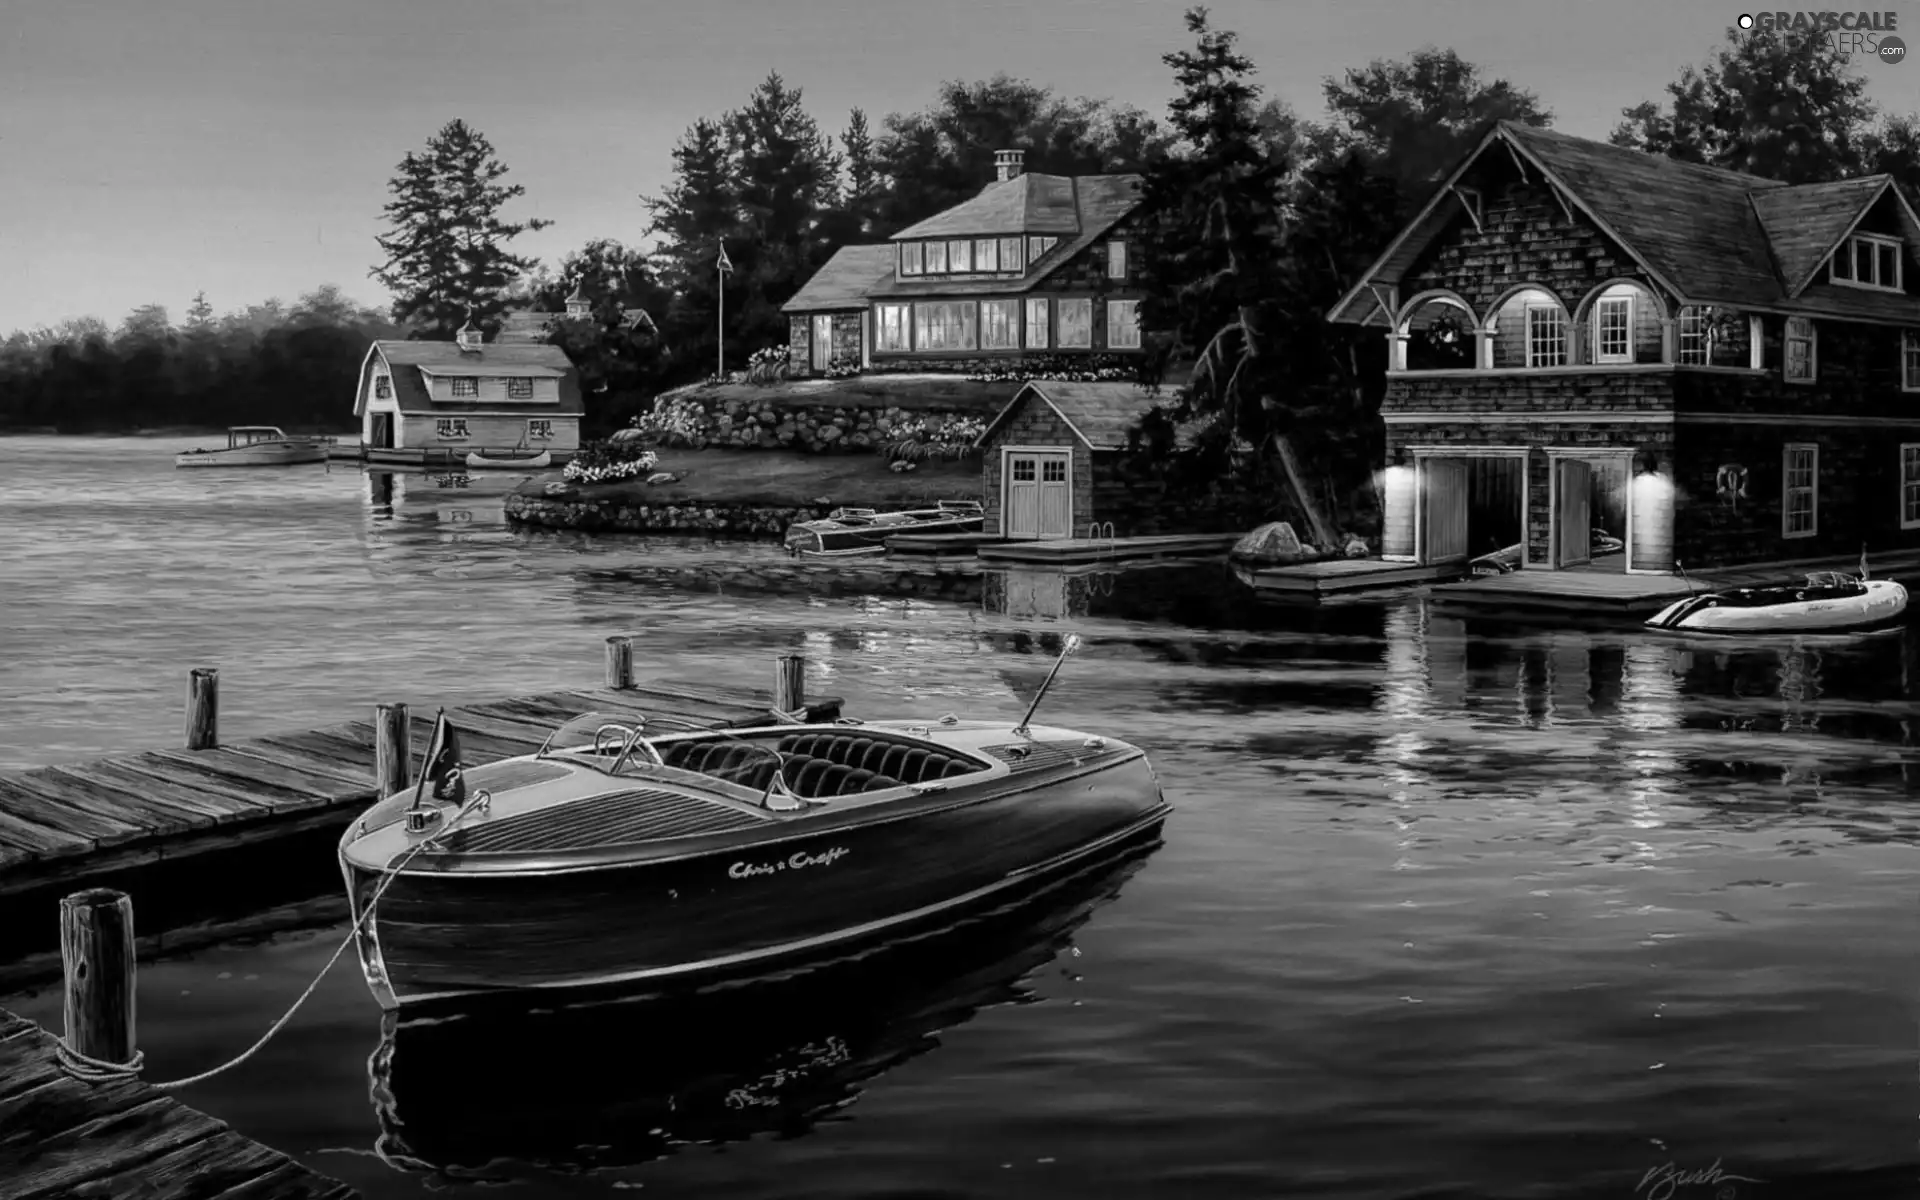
617	854
257	446
850	531
1826	602
490	462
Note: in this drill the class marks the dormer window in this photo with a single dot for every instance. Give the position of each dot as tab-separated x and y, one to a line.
1036	246
1867	260
913	259
986	254
960	255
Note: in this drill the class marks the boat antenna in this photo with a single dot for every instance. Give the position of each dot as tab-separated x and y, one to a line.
1684	576
1072	643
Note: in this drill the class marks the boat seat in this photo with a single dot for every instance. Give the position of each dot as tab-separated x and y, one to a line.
883	756
818	778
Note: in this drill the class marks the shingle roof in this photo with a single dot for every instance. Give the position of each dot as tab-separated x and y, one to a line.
845	280
1024	204
1803	224
1100	413
410	390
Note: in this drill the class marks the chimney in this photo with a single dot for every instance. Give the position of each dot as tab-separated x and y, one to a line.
468	338
1006	163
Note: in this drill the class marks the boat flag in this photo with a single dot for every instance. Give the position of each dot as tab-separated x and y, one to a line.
724	263
442	766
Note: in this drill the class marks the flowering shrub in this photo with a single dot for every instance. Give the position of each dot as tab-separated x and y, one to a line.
901	464
771	356
915	442
603	462
679	421
843	368
1093	368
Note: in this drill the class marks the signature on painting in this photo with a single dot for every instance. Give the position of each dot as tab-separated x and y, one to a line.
794	861
1661	1183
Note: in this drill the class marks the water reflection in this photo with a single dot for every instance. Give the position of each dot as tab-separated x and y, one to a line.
500	1096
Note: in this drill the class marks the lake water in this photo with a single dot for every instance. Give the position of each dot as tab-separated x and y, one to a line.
1445	908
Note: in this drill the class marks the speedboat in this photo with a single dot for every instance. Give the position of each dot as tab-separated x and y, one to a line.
490	462
257	446
1826	602
849	531
616	854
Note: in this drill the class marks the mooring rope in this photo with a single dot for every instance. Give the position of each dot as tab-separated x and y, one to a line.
95	1070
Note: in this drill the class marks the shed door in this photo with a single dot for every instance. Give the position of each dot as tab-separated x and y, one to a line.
822	342
1573	520
1039	503
382	431
1444	521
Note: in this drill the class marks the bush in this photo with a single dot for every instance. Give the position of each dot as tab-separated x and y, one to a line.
843	368
603	462
680	421
915	442
1093	368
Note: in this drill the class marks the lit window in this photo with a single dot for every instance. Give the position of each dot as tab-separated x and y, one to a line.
1076	324
1546	336
1116	260
383	387
891	321
1123	324
1037	326
1613	329
999	324
519	388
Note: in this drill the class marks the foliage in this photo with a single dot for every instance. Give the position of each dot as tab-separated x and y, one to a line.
603	462
1081	369
619	356
842	367
674	421
915	441
447	260
268	363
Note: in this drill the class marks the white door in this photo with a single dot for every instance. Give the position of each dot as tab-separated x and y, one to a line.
1573	518
822	342
1039	502
1444	521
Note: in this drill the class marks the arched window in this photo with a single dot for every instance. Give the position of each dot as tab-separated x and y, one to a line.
1529	329
1439	332
1622	321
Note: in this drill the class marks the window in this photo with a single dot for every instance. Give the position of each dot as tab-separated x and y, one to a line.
960	256
1910	485
1801	360
1546	336
1116	260
913	258
891	322
936	258
383	387
1867	260
1036	246
999	324
1799	490
1053	470
540	430
1037	330
450	427
1010	254
1696	336
1910	361
1023	470
986	254
1123	324
1076	324
519	388
1613	329
948	326
466	387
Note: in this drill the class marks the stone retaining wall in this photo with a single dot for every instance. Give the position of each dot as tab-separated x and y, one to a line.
718	520
818	429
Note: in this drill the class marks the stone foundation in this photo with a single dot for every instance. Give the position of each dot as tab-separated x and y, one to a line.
815	429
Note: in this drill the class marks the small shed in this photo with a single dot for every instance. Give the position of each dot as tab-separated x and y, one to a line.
1054	464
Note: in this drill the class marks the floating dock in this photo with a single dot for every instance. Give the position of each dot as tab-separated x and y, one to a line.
1602	593
1061	551
122	1140
1336	576
940	545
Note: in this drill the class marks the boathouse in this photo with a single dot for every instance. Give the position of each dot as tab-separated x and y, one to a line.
1601	359
468	395
1033	269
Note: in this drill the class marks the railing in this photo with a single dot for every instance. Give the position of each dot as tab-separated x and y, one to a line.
1102	530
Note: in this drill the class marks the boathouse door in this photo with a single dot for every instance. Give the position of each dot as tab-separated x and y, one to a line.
1572	516
382	431
822	343
1444	516
1038	501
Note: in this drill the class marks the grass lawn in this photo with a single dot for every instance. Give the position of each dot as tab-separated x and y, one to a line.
909	392
780	479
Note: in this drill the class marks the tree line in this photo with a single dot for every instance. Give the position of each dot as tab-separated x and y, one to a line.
1261	219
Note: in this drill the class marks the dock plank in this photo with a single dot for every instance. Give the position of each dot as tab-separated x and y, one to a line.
337	743
34	840
494	726
287	1181
275	750
316	789
154	814
57	1158
266	798
221	807
211	1167
72	819
477	747
694	711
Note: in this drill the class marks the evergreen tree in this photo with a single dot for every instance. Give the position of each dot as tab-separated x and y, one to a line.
698	211
447	255
863	175
199	315
787	179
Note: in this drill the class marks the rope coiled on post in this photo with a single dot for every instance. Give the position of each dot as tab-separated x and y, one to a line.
94	1070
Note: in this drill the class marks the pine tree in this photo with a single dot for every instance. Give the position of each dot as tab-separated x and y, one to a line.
447	256
698	211
863	173
199	315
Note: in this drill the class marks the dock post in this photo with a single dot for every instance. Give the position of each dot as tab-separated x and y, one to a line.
790	682
203	708
96	948
392	748
619	663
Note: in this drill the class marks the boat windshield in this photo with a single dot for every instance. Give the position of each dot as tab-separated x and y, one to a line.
617	743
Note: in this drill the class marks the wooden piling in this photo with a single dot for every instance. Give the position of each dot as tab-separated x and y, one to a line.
391	748
620	663
203	708
96	949
790	682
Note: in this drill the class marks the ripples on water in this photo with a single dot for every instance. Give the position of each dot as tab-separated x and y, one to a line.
1447	907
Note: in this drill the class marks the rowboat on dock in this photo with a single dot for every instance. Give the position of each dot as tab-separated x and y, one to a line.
257	446
617	855
851	531
1826	602
497	462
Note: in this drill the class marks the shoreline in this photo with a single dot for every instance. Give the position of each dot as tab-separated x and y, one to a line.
167	431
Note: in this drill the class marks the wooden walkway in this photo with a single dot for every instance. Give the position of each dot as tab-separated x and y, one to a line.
1058	551
62	823
61	1137
1332	576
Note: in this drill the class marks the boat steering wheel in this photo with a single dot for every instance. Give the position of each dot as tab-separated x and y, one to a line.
636	739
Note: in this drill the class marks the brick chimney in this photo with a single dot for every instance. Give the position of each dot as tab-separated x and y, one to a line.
1007	163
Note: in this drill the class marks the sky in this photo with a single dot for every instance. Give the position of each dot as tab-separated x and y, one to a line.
151	150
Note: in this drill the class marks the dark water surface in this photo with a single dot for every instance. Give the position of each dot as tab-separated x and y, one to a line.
1445	908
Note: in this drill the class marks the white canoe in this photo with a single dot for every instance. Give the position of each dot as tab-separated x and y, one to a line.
481	462
1828	602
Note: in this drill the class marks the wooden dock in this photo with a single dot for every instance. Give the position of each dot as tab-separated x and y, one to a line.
940	545
1601	593
64	1137
1059	551
1335	576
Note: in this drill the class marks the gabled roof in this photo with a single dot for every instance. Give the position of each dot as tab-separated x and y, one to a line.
1706	234
410	364
845	280
1099	413
1024	204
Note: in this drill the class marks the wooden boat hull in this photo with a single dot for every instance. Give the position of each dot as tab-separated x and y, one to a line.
277	455
837	538
1883	603
739	901
481	462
